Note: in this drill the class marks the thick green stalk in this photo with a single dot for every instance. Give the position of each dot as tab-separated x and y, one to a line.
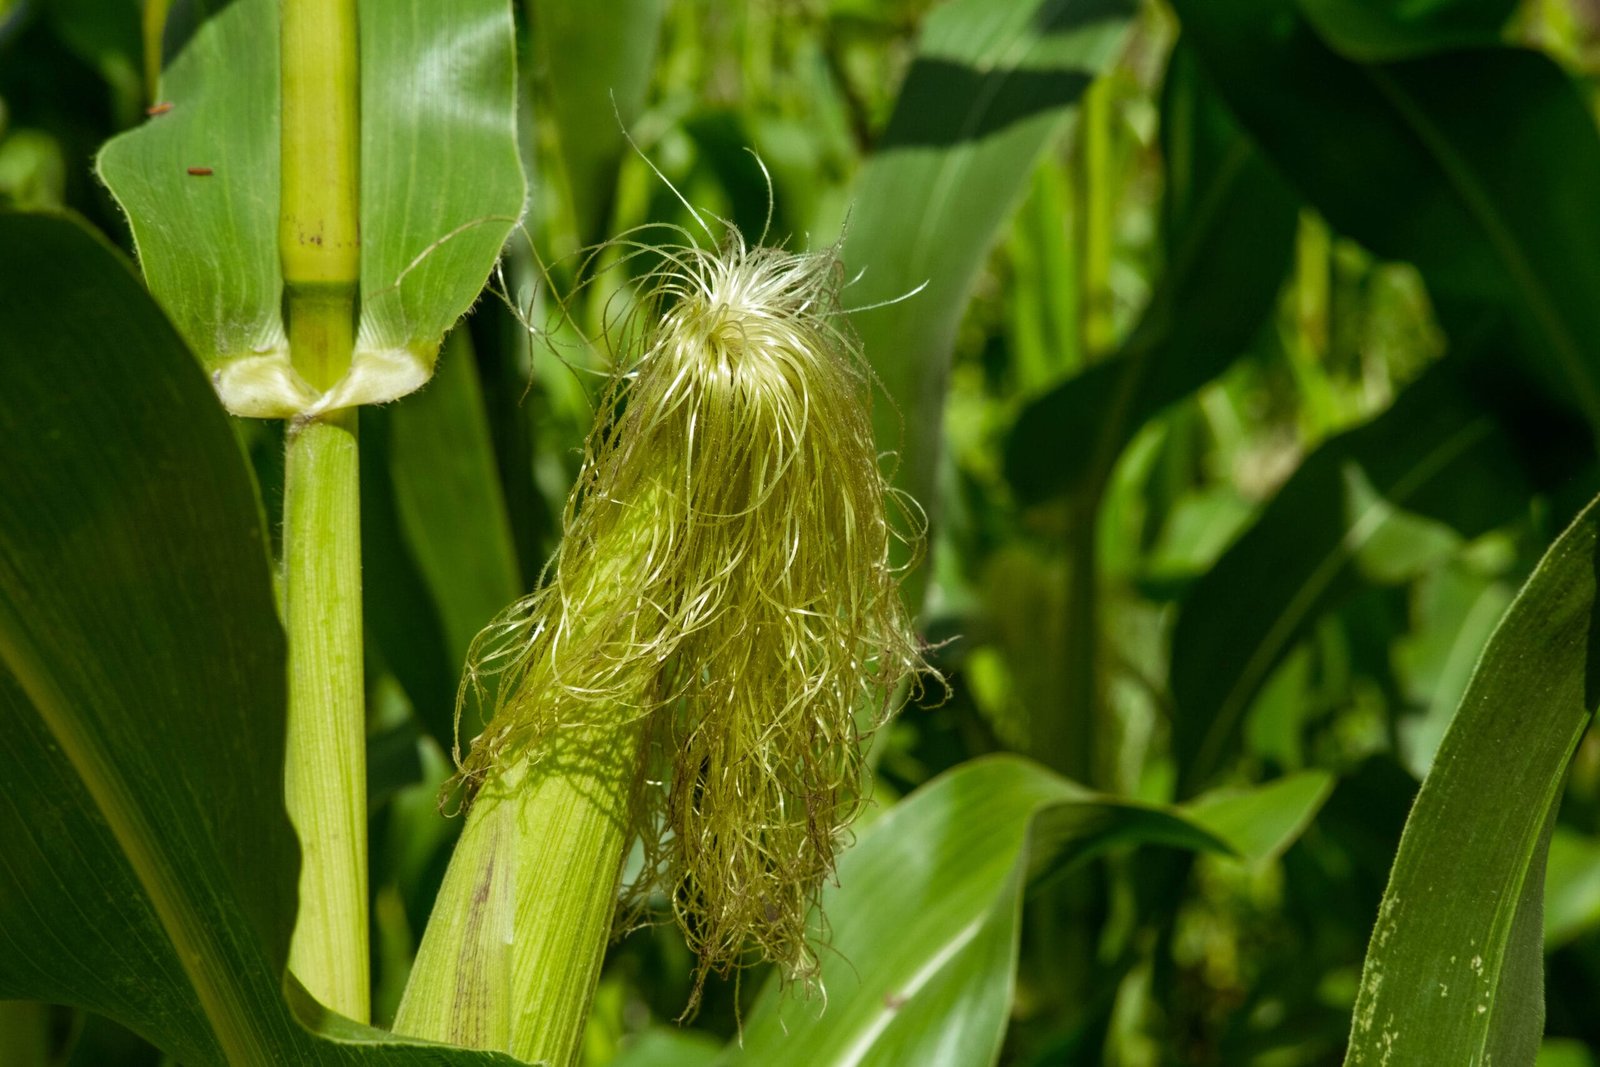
325	777
513	949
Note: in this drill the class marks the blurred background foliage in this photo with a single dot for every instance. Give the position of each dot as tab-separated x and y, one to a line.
1245	447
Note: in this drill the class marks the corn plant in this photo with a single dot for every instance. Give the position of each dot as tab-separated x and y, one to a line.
514	551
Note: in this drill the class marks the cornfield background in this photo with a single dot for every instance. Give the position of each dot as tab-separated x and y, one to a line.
1245	357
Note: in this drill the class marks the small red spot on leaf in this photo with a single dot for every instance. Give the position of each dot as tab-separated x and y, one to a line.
159	109
200	172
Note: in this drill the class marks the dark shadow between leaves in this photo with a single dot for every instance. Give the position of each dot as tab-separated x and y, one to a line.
944	103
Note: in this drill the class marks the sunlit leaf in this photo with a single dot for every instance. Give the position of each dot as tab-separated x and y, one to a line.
924	921
990	86
1455	969
441	187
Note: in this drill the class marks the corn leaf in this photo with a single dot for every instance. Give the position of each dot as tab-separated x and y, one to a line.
923	923
1455	968
1478	166
990	86
597	62
1346	513
436	534
149	871
1230	225
1376	30
441	187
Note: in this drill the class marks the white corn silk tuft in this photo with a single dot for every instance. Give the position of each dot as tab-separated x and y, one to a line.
725	577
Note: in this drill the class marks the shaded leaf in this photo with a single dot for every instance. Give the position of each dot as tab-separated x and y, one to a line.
1477	166
661	1047
397	604
1572	887
597	64
1375	30
1230	226
989	87
447	489
1454	972
150	868
1437	453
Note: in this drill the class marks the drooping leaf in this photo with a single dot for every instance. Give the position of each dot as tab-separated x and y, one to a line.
441	187
1229	225
1477	166
1438	452
1455	968
923	923
990	85
1260	823
150	868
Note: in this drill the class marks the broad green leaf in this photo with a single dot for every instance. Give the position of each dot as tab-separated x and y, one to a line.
1454	972
597	62
1379	30
1259	823
989	87
1477	166
441	187
1230	226
150	868
922	925
1437	452
447	488
142	653
439	558
441	178
208	243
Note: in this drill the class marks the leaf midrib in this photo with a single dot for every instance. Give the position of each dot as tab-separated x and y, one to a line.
1459	174
217	985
